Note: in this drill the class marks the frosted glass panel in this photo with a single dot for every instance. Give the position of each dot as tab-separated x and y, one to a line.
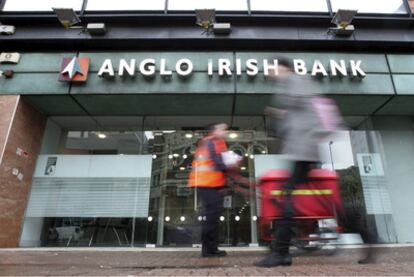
41	5
91	186
291	5
370	6
230	5
98	5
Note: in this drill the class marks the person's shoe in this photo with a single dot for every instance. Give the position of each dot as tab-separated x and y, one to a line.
274	259
367	260
217	253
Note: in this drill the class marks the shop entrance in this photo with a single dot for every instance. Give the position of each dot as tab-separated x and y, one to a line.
99	200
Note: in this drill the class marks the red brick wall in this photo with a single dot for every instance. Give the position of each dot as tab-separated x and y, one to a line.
7	106
27	127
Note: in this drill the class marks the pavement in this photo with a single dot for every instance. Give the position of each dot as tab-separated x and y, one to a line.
391	261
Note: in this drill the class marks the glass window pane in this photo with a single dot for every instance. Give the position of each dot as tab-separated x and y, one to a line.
41	5
370	6
232	5
99	5
291	5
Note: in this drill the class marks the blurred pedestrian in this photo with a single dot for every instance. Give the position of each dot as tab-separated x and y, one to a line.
208	176
296	122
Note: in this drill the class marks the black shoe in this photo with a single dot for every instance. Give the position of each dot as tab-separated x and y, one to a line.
274	259
217	253
367	260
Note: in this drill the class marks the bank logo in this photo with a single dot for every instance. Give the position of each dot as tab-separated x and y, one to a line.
74	69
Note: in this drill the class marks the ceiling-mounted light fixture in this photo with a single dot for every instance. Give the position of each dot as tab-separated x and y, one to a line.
206	18
69	19
342	20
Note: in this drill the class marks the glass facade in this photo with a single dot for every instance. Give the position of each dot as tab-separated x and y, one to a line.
126	184
42	5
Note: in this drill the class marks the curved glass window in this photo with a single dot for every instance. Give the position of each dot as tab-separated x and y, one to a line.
370	6
41	5
290	6
99	5
185	5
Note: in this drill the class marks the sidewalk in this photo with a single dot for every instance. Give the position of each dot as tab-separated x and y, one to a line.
123	262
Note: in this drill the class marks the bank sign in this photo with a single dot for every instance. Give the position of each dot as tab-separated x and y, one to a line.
75	69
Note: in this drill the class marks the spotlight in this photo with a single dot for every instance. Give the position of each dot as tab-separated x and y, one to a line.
68	18
182	218
167	218
101	136
254	218
206	18
342	20
221	218
188	135
237	218
150	218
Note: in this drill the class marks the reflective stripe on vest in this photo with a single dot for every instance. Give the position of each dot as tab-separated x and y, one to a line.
303	192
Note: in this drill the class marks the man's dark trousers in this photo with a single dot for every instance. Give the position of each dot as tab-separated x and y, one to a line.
212	201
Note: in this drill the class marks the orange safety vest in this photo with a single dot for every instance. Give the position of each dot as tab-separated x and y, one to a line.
204	173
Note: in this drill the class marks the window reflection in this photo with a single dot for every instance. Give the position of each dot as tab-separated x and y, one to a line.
68	207
291	5
232	5
370	6
41	5
139	5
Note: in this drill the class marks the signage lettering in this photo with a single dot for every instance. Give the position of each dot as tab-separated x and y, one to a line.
225	67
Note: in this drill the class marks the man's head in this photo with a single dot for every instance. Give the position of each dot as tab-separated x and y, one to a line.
285	68
218	130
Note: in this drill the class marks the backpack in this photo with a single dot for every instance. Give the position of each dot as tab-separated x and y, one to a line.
327	112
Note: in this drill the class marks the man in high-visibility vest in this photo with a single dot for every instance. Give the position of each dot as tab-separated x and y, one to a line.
209	177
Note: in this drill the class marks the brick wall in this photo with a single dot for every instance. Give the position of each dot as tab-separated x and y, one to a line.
27	126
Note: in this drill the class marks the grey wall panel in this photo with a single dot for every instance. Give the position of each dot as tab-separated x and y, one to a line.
371	84
34	83
404	83
197	83
55	104
401	63
171	104
38	62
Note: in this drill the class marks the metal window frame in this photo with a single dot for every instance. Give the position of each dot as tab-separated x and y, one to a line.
407	8
2	3
409	12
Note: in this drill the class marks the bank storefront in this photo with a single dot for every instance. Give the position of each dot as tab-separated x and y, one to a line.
121	129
